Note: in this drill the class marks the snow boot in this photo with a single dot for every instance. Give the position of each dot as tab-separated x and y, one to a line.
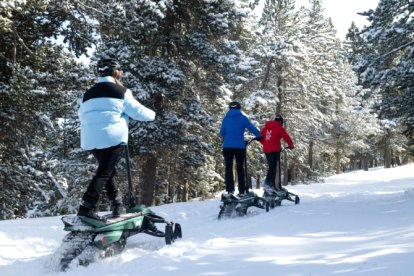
117	208
86	212
269	190
229	196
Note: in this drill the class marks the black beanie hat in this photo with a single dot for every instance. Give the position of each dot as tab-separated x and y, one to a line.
279	119
234	105
106	66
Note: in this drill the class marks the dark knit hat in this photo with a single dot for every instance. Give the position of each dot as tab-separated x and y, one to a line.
106	66
234	105
279	119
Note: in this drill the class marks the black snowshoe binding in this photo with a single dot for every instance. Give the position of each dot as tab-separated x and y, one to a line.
234	206
273	197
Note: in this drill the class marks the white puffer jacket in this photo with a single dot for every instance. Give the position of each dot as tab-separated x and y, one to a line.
104	114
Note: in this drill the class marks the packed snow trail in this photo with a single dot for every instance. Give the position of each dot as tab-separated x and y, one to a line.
357	223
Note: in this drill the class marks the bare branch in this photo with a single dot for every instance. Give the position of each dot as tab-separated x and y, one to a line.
21	41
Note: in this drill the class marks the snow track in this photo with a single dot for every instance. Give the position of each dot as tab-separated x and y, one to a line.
357	223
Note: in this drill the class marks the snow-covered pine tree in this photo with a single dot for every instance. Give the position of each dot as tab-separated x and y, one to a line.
354	44
33	80
381	65
335	105
388	67
321	73
312	79
302	51
277	86
177	58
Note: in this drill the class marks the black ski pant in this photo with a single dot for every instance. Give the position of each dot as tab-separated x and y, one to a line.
273	159
107	159
240	155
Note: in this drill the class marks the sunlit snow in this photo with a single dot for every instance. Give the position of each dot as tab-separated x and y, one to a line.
356	223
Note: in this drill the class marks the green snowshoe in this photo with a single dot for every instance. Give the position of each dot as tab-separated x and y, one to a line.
92	239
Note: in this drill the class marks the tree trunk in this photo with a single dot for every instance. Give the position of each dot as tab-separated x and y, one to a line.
170	189
364	161
280	94
387	154
149	173
392	158
14	52
354	164
258	180
310	156
292	172
184	194
398	160
266	76
338	160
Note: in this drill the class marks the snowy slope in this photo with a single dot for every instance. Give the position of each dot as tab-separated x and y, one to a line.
358	223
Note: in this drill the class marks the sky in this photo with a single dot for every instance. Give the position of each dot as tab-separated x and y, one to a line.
343	12
352	224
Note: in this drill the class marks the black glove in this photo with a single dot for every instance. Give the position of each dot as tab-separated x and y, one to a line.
258	138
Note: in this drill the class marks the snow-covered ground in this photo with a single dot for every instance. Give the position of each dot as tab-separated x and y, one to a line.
358	223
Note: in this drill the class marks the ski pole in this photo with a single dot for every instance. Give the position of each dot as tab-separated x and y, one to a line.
131	203
248	182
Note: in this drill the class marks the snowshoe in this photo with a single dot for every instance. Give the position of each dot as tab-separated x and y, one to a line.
271	199
92	239
274	197
233	206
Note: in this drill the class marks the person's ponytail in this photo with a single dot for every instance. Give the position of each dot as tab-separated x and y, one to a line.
117	74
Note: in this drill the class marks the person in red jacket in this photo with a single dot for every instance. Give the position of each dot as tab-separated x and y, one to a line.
272	133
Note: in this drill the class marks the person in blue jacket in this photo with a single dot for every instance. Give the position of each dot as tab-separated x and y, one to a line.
232	130
104	113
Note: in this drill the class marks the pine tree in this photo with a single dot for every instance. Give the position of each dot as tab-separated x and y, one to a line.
177	58
387	68
33	80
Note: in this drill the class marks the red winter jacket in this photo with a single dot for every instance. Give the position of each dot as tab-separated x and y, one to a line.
271	135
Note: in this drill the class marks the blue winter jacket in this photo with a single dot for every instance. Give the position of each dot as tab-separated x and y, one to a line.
104	114
232	129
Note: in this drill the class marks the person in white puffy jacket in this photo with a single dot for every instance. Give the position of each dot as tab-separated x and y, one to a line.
104	114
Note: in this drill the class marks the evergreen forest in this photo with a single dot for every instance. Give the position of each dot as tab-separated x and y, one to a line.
347	104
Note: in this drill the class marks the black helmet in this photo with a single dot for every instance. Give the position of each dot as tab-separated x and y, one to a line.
279	119
234	105
106	66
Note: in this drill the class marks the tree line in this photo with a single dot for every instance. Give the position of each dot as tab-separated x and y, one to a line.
347	104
